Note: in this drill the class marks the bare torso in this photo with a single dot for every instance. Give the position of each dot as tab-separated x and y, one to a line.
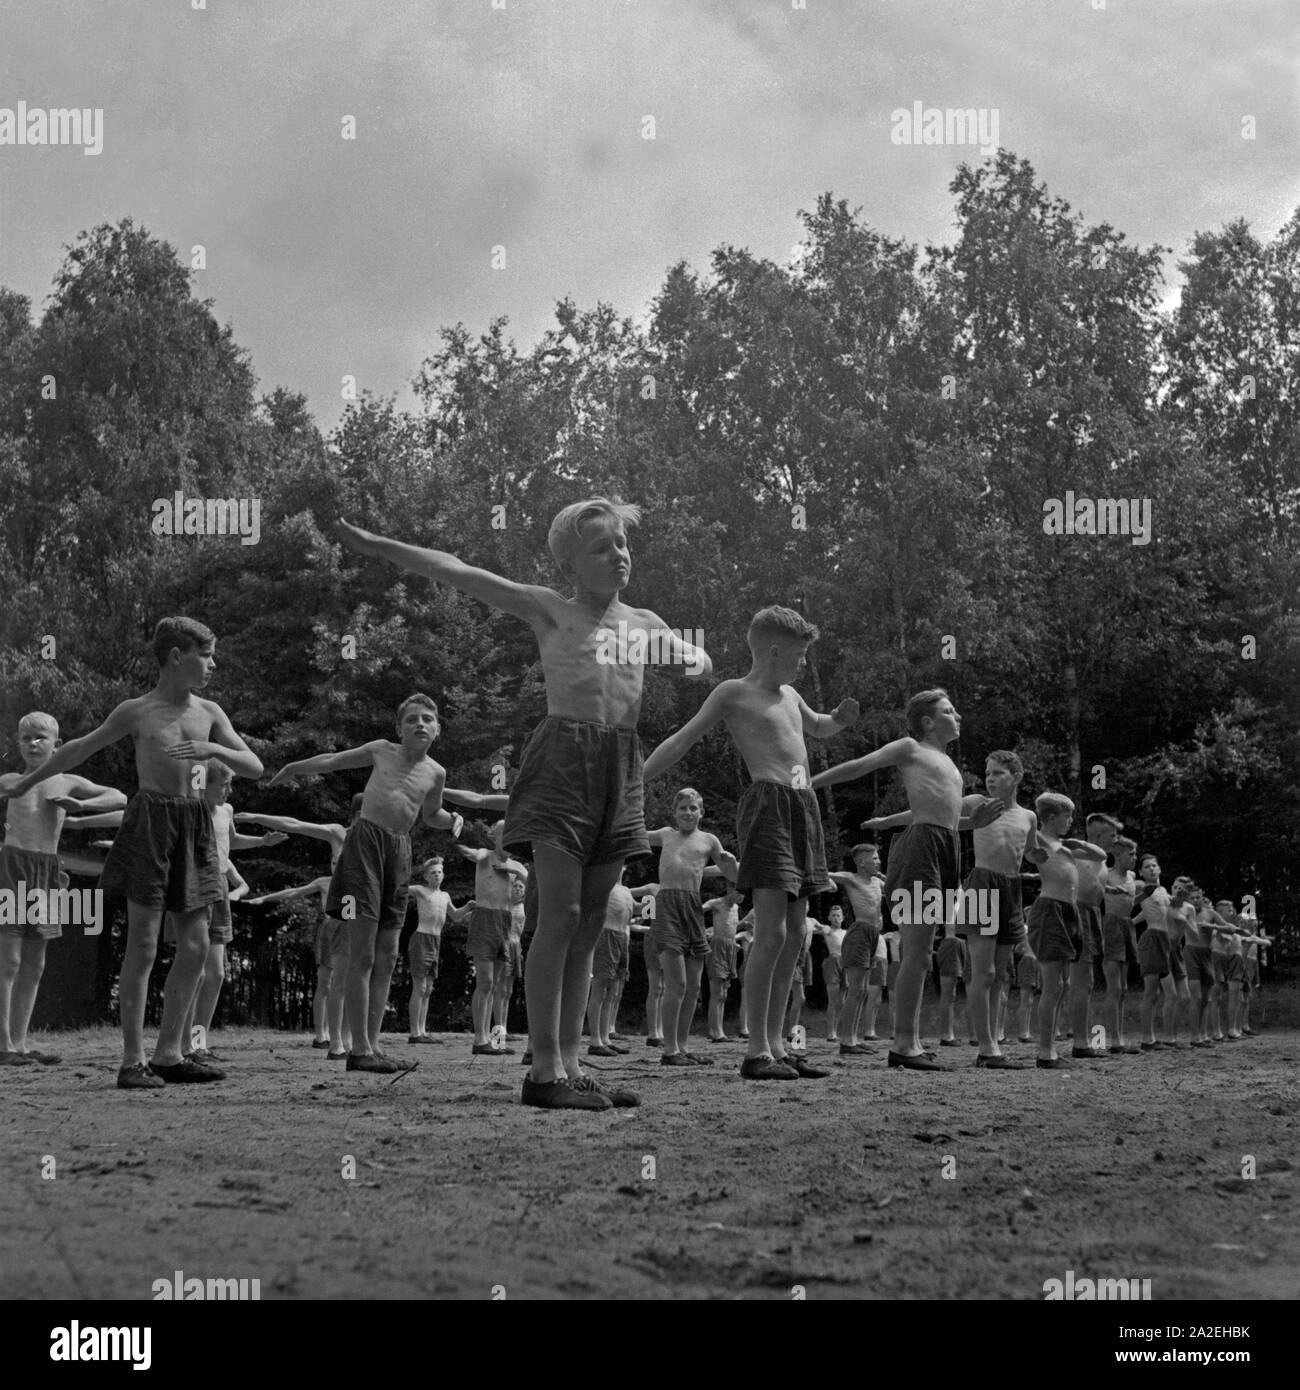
933	786
32	821
397	787
159	724
578	684
683	859
768	729
1092	881
1000	846
864	897
1059	871
492	883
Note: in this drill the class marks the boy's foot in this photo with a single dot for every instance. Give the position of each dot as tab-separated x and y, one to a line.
832	1037
1092	1054
803	1069
186	1070
1053	1064
654	1042
970	1042
1026	1037
335	1056
1248	1032
617	1048
854	1050
527	1059
316	1042
743	1036
600	1050
46	1059
953	1042
399	1062
372	1061
424	1038
562	1095
204	1055
999	1063
869	1037
919	1063
723	1038
487	1050
1002	1040
675	1059
767	1069
619	1099
700	1061
512	1037
15	1059
139	1077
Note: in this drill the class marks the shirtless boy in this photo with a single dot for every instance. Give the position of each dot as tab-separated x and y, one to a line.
164	858
1118	941
925	856
864	973
488	945
371	881
610	960
782	855
721	965
833	971
578	798
29	860
424	949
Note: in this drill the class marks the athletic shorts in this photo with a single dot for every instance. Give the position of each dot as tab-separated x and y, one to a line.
422	953
1010	901
781	845
1219	965
1118	939
878	975
1176	967
950	957
579	790
164	856
32	869
1198	963
1153	953
722	960
372	879
832	973
679	923
1091	946
1054	931
650	952
220	928
489	934
610	959
924	856
858	949
1236	970
331	940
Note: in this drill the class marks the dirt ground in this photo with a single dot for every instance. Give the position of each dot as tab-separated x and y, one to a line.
1129	1168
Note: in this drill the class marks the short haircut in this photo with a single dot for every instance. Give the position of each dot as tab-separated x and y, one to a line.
1100	818
565	534
425	701
1226	902
1147	856
1123	842
217	768
1053	804
687	794
1006	758
433	861
778	622
185	633
919	707
38	719
865	848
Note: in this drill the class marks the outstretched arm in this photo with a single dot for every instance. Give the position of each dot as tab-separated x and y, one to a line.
89	798
274	837
894	754
888	822
526	601
476	801
300	892
675	747
327	762
290	825
724	859
676	651
75	752
98	822
238	883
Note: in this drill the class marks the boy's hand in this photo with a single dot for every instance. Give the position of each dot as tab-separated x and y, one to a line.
64	803
353	537
873	824
986	813
195	749
273	837
846	713
457	824
285	774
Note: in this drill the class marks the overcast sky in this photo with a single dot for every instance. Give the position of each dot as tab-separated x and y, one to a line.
522	127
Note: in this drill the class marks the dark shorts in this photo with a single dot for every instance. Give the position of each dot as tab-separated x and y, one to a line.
331	940
1054	931
610	961
373	874
858	949
650	952
1198	963
489	934
1118	939
722	960
422	954
1153	953
924	856
31	869
1011	909
832	973
1176	966
164	855
679	923
1091	946
877	975
950	957
781	845
1219	965
220	928
1236	969
579	790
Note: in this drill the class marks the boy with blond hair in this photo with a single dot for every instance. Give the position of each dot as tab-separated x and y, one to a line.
29	861
371	882
578	798
164	858
782	857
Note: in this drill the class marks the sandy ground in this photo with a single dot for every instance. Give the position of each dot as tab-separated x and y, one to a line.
714	1188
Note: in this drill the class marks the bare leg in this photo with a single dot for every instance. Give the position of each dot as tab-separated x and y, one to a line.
320	1028
340	1035
761	962
1150	997
1116	987
381	976
361	963
916	941
214	976
654	1002
1053	975
595	1004
783	977
874	995
182	983
855	978
686	1012
480	1007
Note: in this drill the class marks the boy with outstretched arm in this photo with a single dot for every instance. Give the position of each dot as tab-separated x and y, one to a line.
679	930
164	858
1118	941
721	964
782	857
435	909
29	861
371	881
925	856
860	955
578	798
488	944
